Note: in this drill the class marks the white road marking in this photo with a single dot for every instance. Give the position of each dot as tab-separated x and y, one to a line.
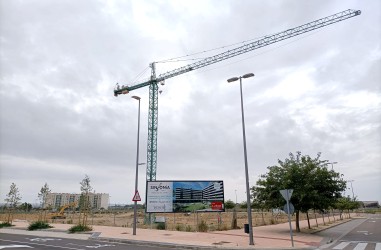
342	245
95	246
360	246
99	246
43	239
378	246
40	244
14	246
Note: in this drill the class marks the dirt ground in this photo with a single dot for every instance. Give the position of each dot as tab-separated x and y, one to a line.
173	221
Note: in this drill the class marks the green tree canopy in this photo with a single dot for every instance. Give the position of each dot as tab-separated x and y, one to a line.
26	207
229	204
314	185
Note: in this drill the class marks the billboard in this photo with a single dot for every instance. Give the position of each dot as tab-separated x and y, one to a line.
184	196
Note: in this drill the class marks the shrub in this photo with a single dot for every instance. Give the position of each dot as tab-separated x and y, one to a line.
38	225
188	228
161	226
179	227
202	227
80	228
5	224
222	228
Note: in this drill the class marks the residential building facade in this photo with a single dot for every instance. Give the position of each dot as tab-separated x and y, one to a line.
57	200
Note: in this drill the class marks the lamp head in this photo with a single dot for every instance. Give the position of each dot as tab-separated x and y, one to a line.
233	79
248	75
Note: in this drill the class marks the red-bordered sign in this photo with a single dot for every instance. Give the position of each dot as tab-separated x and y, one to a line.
136	196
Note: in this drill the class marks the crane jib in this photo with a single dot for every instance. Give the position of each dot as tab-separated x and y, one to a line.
267	40
153	88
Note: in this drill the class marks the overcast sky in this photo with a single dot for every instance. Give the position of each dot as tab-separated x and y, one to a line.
60	61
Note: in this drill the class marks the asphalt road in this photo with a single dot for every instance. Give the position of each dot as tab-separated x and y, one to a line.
25	242
362	234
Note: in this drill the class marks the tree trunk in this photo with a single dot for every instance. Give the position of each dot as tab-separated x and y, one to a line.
329	220
308	221
297	221
322	214
317	225
234	220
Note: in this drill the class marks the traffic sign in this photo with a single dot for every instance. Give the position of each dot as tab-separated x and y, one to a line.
136	196
286	193
292	208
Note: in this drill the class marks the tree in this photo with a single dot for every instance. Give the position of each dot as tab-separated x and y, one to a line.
229	204
315	187
346	203
44	191
13	198
86	188
26	207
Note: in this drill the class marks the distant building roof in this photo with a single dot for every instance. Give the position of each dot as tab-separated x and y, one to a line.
370	203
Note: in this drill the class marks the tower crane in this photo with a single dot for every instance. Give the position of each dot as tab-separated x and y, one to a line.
154	80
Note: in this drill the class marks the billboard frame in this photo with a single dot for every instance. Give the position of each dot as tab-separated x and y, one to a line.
180	205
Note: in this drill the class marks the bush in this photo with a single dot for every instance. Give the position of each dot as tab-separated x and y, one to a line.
179	227
80	228
188	228
202	227
38	225
161	226
5	224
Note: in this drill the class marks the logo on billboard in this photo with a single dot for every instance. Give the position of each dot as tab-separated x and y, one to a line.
160	187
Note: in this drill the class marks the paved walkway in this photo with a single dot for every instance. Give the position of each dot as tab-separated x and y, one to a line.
271	236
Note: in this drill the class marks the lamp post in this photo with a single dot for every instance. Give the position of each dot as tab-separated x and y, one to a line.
353	193
233	79
137	164
235	197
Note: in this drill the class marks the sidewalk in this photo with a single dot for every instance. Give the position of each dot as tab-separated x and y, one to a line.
271	236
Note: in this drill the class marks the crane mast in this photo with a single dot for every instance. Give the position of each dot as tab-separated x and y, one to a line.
153	81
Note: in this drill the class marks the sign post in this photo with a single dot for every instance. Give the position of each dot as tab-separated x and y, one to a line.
287	193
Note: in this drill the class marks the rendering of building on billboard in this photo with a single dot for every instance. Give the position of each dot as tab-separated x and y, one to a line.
184	196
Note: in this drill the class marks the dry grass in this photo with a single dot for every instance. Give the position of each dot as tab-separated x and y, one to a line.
174	221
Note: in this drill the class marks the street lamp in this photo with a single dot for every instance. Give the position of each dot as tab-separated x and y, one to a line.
137	164
233	79
335	162
235	197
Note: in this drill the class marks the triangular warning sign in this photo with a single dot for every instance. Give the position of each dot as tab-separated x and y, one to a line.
136	196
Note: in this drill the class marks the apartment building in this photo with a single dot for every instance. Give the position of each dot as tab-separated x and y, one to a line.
214	191
56	200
